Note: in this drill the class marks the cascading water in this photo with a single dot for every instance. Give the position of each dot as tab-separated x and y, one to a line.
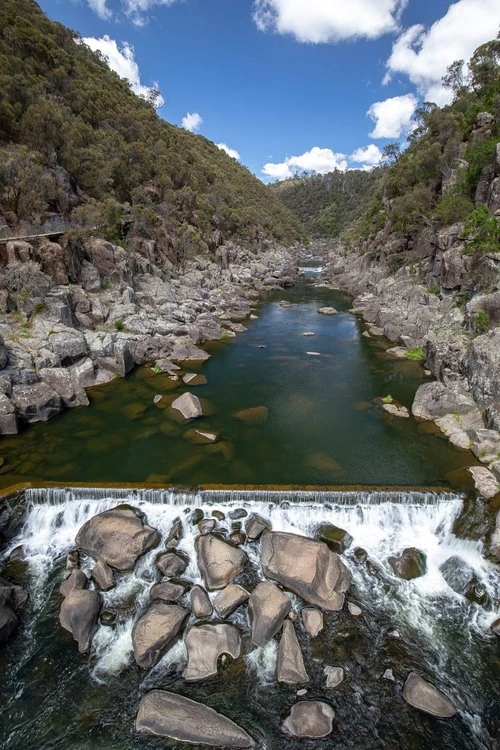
419	624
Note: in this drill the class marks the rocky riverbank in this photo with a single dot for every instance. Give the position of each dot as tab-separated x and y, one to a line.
421	309
79	314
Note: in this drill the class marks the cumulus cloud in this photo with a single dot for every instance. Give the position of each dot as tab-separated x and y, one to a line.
369	156
137	10
122	61
319	21
192	122
424	54
229	151
393	116
317	160
100	7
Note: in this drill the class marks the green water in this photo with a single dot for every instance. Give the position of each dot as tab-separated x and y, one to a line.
323	426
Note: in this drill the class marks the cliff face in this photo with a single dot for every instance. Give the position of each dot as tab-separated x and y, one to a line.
444	298
80	314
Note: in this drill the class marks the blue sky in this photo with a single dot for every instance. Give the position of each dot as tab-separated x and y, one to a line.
286	84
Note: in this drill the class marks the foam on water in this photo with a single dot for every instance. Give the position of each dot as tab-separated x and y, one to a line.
382	523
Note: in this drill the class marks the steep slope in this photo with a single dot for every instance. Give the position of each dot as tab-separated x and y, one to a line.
328	204
76	141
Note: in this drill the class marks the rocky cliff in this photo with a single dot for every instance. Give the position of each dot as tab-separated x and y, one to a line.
81	313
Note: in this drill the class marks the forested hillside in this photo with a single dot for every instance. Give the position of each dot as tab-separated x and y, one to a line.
327	204
75	141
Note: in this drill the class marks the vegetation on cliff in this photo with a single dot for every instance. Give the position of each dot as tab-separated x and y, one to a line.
75	141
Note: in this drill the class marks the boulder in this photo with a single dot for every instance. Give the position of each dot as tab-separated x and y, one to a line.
458	574
306	567
103	576
313	621
230	599
335	538
205	644
75	580
155	632
200	602
8	623
411	563
65	385
495	626
424	696
185	351
485	481
171	564
188	405
267	608
197	437
396	411
255	526
207	525
118	537
79	614
334	676
354	610
290	666
8	418
36	402
69	346
434	400
11	598
167	591
165	714
254	416
219	562
327	311
309	719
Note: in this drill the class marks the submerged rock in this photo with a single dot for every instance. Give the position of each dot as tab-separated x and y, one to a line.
254	416
155	632
306	567
309	719
411	563
118	537
188	405
219	562
268	608
424	696
230	599
79	614
165	714
290	667
205	644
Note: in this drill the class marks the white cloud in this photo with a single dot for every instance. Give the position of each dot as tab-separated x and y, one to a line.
369	156
424	54
192	121
137	10
100	7
392	116
317	160
229	151
319	21
122	61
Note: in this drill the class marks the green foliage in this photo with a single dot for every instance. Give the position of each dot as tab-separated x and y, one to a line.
415	355
460	299
433	290
388	399
157	370
484	230
452	207
119	325
481	321
69	120
479	155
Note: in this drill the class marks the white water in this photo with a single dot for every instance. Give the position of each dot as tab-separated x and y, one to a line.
382	523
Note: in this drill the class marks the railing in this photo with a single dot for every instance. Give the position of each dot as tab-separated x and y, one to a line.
32	231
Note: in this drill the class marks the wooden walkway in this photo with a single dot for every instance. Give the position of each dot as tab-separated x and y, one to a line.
28	237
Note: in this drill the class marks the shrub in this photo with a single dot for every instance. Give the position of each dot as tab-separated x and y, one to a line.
484	230
416	354
452	207
119	325
388	399
481	321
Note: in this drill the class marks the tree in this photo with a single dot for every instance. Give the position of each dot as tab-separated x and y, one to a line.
391	153
484	67
456	78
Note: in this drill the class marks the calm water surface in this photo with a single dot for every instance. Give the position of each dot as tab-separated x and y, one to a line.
323	426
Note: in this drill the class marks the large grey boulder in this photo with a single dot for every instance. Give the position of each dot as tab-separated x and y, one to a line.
424	696
69	346
155	632
103	576
188	405
255	526
309	719
327	310
268	608
313	621
185	351
118	537
485	481
434	400
218	561
8	623
205	644
76	579
79	613
290	668
63	383
200	602
230	599
306	567
171	564
337	539
36	402
411	563
165	714
11	598
167	591
8	418
458	574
